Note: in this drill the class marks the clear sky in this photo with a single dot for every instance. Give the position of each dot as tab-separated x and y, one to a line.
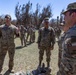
8	6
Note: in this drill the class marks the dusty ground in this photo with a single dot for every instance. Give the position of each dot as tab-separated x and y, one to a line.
26	59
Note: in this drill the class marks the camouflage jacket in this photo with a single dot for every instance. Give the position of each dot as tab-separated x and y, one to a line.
69	43
22	30
7	34
46	37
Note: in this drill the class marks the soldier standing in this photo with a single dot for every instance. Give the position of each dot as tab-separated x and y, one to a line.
22	35
60	41
68	44
29	33
7	42
46	41
33	33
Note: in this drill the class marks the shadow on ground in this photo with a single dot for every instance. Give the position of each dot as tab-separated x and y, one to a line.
18	47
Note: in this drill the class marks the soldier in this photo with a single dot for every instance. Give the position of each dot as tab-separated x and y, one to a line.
28	33
22	35
33	33
46	41
68	44
60	41
7	42
57	32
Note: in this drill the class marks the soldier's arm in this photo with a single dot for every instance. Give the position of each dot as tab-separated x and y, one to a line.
52	38
16	30
39	36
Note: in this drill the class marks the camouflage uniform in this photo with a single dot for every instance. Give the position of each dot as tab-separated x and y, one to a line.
46	40
68	55
7	44
68	60
22	35
33	33
57	32
60	41
28	33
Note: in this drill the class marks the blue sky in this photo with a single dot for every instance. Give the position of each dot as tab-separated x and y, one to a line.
8	6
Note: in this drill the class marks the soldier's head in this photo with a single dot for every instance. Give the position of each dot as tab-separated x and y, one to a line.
70	14
7	19
46	21
8	16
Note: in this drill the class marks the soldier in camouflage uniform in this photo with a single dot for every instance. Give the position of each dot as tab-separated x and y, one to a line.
7	42
33	33
29	33
22	35
46	41
57	32
68	44
60	40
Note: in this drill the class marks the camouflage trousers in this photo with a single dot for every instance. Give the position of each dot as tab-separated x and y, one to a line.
59	57
28	35
23	40
67	67
11	52
48	54
33	37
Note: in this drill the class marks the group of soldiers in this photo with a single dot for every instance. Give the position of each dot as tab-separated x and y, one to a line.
27	34
66	42
7	32
46	41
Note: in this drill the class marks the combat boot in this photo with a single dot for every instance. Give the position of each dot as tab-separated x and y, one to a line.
39	64
48	64
0	71
11	70
25	45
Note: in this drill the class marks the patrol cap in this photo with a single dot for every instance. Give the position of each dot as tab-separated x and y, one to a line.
71	6
8	16
46	19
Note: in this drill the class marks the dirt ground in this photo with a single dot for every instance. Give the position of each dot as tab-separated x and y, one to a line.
26	58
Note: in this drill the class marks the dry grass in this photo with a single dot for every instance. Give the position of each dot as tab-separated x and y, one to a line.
27	58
